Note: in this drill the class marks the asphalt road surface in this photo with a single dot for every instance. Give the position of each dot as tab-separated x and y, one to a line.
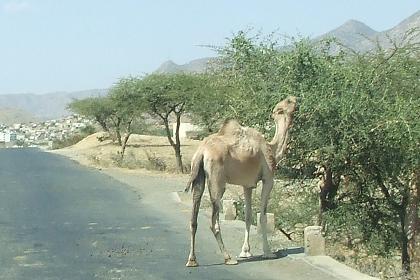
59	220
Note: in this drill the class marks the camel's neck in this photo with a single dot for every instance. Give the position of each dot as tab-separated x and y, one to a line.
279	142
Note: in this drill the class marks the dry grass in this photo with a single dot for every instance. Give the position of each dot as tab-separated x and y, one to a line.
143	151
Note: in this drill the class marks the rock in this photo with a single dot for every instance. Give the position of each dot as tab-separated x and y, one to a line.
270	223
299	228
229	209
351	253
314	242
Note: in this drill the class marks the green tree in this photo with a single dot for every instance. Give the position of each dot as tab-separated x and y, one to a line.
168	96
356	120
119	113
98	108
209	104
128	109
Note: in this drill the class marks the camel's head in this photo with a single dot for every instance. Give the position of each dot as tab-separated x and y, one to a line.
285	107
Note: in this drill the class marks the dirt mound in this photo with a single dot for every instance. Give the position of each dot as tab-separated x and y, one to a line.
141	152
90	141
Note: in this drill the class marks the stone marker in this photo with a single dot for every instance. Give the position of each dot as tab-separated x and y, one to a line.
229	209
314	242
270	223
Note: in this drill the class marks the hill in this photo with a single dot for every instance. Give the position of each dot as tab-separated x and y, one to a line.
195	66
24	107
360	37
9	116
353	34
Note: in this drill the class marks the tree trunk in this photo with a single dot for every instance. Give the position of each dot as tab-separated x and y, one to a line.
327	192
103	124
405	257
412	218
118	132
117	124
124	145
178	155
175	145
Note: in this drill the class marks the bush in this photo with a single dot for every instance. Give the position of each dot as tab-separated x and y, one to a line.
155	163
66	142
73	138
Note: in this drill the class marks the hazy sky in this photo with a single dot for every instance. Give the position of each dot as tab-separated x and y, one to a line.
67	45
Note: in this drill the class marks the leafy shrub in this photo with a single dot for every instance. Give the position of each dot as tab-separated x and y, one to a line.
66	142
73	138
155	163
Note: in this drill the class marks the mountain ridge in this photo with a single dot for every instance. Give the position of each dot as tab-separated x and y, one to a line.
358	36
197	66
40	106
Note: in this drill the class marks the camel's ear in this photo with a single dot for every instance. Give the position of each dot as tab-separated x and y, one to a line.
291	99
279	110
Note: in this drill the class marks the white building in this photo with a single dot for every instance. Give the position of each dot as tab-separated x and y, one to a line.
7	137
184	129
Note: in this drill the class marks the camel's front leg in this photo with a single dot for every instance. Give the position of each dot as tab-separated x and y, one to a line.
265	195
245	253
197	194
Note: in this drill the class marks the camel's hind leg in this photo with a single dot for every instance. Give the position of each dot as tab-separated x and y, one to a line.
216	190
198	191
245	253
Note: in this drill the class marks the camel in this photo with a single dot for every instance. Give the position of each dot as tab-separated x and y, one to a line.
240	156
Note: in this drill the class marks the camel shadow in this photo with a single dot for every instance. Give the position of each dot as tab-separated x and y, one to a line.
152	145
279	254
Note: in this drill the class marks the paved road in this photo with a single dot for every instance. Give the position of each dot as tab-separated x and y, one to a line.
59	220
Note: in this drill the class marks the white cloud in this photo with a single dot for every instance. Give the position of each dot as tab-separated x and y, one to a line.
15	6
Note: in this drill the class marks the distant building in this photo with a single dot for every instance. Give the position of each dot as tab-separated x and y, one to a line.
8	138
4	137
12	137
185	130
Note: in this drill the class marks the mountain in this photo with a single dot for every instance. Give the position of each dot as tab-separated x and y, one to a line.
353	34
360	37
41	106
196	66
397	32
9	116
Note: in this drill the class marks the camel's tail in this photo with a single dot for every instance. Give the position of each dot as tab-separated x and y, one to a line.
197	173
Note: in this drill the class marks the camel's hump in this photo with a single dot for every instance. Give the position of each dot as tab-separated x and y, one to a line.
233	128
230	127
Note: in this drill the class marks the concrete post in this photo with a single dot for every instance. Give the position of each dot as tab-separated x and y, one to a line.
270	223
314	242
229	209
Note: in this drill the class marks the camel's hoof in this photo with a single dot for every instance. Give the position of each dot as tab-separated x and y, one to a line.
231	261
245	255
191	263
269	256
